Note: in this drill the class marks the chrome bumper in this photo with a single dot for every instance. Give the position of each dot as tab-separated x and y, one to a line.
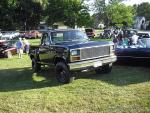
91	63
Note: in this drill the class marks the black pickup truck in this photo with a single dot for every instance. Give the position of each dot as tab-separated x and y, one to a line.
69	51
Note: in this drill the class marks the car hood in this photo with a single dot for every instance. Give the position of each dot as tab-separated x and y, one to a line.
74	45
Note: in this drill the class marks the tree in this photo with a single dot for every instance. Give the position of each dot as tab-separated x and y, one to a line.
16	14
102	10
28	14
67	11
6	15
84	19
123	14
144	10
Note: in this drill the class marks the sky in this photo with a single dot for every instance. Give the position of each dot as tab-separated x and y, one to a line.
127	2
132	2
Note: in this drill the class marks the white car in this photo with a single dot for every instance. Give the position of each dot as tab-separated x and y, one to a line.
144	34
9	35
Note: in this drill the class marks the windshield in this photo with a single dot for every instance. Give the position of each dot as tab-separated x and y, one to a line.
68	36
141	43
89	30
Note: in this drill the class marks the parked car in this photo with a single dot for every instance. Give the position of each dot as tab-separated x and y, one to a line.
107	33
9	35
7	49
32	34
90	32
134	53
144	34
69	51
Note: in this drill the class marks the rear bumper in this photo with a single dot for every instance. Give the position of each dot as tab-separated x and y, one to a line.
92	63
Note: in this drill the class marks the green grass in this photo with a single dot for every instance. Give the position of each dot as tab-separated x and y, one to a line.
34	41
125	90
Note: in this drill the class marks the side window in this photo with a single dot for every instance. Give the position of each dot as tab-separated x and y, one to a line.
57	37
45	39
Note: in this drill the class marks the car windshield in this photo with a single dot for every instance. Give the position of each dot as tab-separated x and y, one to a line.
68	36
88	30
142	43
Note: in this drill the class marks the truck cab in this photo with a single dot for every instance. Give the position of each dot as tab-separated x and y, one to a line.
69	51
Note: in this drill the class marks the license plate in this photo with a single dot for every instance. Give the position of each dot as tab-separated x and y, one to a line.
97	64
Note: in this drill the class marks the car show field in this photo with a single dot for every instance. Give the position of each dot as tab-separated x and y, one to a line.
126	89
75	56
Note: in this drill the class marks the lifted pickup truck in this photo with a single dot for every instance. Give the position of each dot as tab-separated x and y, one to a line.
69	51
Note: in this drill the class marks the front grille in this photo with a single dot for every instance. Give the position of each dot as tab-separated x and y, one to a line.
94	52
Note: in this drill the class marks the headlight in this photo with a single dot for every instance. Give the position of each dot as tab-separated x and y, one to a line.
112	47
75	52
112	50
75	55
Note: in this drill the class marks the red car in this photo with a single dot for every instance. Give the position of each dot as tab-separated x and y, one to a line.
90	32
6	49
33	34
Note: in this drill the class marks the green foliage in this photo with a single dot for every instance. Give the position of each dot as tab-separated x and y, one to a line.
71	12
123	14
114	12
20	14
27	14
84	19
6	21
144	10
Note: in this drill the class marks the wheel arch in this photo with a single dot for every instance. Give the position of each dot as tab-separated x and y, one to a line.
59	59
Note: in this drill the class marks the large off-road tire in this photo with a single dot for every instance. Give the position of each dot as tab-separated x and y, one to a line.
36	67
104	69
63	74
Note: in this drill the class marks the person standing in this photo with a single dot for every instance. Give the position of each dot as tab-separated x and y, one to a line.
26	45
134	39
19	46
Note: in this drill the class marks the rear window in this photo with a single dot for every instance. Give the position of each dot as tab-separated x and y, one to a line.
89	30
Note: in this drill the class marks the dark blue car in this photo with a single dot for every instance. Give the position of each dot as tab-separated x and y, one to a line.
136	53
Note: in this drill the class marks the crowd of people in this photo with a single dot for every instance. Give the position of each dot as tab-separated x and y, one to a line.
22	46
125	38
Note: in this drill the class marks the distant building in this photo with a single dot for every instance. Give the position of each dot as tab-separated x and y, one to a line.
140	23
59	25
43	26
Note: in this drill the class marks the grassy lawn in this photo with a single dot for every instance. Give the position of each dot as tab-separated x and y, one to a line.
125	90
34	41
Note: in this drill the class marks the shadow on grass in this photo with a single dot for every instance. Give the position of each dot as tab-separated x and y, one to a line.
121	75
24	79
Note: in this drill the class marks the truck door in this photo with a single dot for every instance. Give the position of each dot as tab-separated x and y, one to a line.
44	49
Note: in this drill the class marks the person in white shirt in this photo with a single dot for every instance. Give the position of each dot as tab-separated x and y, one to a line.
134	39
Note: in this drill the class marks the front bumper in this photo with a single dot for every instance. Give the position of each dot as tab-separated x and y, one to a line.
92	63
